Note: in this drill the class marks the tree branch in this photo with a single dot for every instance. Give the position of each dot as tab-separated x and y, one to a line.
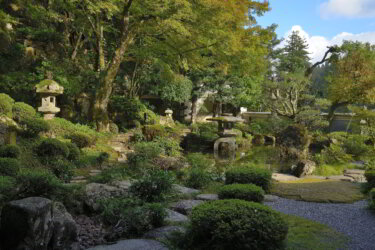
331	49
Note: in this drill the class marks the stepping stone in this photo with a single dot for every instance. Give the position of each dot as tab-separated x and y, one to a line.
284	177
173	217
133	244
354	171
207	197
125	185
270	198
185	206
340	178
357	174
184	190
163	232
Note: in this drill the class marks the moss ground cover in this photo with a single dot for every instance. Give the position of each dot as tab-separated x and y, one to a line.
317	190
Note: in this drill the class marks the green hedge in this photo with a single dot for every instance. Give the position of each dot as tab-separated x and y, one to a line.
22	110
248	192
6	103
9	166
34	126
236	224
52	148
10	151
370	177
249	175
81	140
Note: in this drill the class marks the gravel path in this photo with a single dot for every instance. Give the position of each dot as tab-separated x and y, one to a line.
354	220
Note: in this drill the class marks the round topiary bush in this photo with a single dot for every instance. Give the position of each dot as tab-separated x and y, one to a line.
21	110
81	140
6	103
52	148
249	175
9	166
10	151
248	192
236	224
34	126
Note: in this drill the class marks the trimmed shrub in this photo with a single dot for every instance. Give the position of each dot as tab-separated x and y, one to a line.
52	148
34	126
199	160
10	151
62	168
370	177
81	140
248	192
74	152
236	224
198	178
170	146
38	182
153	186
6	103
333	154
132	215
249	175
22	110
103	157
355	145
144	152
372	199
9	166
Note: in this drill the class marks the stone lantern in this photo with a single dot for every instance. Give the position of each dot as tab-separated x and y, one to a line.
49	89
168	113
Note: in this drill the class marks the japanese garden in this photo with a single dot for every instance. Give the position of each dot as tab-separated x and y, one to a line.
183	124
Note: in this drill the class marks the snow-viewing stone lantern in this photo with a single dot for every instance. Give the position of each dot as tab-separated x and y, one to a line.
48	90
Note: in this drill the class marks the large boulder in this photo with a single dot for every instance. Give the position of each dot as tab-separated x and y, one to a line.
304	168
185	206
37	223
294	142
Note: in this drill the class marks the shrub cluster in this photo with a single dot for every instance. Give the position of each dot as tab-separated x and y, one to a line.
9	166
144	152
248	192
7	187
236	224
10	151
198	178
6	103
249	175
134	216
52	148
81	140
22	110
34	126
153	186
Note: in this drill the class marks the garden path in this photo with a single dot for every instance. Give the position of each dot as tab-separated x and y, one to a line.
354	220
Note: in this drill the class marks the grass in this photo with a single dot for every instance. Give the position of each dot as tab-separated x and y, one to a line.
308	235
316	190
327	170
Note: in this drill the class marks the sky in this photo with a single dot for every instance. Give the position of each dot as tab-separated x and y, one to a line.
323	22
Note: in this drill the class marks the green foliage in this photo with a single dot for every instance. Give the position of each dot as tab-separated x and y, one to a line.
62	168
296	136
65	128
34	126
154	186
74	152
135	216
372	199
151	132
144	153
170	146
198	178
329	170
236	224
82	140
111	174
103	157
248	192
9	166
6	103
199	160
271	126
356	146
10	151
7	188
249	175
334	154
51	147
370	177
22	110
113	128
38	182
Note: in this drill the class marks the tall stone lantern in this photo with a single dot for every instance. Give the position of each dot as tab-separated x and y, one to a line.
48	90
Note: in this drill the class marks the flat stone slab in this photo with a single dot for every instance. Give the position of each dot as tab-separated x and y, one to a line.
184	190
164	232
207	197
315	177
185	206
122	184
284	177
133	244
271	198
340	178
173	217
354	171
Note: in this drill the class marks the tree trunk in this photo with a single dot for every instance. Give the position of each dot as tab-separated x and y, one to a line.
194	112
100	114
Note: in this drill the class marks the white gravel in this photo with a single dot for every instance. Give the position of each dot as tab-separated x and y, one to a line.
353	220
